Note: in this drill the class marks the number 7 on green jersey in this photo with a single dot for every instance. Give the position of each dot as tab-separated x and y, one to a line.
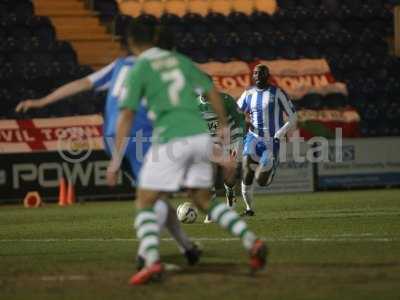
176	82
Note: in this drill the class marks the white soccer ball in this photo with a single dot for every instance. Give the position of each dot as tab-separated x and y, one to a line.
186	213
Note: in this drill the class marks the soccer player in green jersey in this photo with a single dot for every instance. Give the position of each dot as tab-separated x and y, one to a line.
180	154
236	124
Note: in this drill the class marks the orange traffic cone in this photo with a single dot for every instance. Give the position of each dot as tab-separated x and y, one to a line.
32	199
62	195
70	194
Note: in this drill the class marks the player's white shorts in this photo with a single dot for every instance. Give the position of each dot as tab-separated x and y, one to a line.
182	162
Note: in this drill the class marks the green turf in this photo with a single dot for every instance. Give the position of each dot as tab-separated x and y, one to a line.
336	245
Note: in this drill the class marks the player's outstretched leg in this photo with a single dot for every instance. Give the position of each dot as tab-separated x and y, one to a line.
265	172
228	219
207	219
230	184
148	231
230	194
247	186
166	218
190	249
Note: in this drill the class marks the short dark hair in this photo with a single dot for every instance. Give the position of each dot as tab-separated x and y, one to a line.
142	32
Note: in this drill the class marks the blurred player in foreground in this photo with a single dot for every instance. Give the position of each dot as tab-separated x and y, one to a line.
236	125
111	78
180	154
264	106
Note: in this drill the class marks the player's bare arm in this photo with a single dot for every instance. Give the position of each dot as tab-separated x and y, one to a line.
67	90
124	124
291	117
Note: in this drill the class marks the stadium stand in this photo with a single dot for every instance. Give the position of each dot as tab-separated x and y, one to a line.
34	60
355	37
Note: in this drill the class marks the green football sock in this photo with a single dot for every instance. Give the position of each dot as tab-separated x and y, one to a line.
230	220
148	233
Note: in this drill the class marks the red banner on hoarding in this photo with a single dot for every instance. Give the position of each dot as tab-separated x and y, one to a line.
296	77
51	134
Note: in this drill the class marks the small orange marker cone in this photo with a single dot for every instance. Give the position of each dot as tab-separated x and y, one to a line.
32	199
62	195
70	194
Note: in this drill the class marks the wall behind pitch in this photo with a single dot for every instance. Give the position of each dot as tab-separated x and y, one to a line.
366	162
41	171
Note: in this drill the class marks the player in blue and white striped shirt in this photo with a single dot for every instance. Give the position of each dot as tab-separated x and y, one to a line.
264	106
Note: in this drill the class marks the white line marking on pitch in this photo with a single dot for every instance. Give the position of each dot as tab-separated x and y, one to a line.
367	237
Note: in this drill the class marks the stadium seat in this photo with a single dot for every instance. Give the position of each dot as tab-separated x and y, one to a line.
132	7
254	41
173	22
45	35
149	19
8	101
210	42
222	54
201	7
284	4
187	43
243	6
3	9
335	100
8	72
180	7
153	7
259	17
200	55
106	7
243	54
9	45
265	53
289	51
215	19
23	9
20	33
313	101
221	6
64	53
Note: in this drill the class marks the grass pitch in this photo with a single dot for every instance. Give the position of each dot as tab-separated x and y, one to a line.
336	245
